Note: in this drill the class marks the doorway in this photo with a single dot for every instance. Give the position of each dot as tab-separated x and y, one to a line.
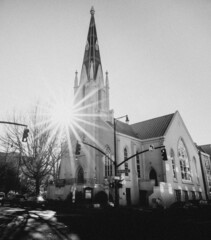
143	200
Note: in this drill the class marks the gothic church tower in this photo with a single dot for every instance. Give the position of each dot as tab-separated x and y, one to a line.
91	98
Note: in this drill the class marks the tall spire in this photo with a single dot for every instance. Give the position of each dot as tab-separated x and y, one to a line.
92	53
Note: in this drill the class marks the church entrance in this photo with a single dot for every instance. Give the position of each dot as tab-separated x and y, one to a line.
80	175
143	199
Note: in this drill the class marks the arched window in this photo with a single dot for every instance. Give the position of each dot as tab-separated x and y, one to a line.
196	169
126	163
184	161
173	164
108	162
153	176
80	177
138	165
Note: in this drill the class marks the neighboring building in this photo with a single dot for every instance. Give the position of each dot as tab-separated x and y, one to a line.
204	154
89	175
9	165
206	148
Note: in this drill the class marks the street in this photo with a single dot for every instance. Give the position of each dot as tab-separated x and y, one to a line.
104	224
135	224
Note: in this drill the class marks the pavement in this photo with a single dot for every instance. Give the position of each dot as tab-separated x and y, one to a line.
17	223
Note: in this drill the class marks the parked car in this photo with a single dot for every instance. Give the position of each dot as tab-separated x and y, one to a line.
18	200
2	198
35	202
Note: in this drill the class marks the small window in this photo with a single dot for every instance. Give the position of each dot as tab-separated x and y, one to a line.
178	195
200	195
193	195
186	198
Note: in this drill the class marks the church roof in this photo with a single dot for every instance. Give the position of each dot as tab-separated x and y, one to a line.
152	128
92	54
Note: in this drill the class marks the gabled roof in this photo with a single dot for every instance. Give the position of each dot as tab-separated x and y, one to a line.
206	148
152	128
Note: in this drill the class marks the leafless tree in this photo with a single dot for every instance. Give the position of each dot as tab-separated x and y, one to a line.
40	154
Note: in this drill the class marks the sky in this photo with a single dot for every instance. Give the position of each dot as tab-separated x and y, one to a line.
157	54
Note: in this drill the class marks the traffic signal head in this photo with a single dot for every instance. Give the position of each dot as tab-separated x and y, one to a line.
25	135
163	154
77	149
119	184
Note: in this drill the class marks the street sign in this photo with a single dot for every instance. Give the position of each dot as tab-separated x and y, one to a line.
151	147
123	171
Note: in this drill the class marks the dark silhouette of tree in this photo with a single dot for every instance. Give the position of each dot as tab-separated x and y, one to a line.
40	153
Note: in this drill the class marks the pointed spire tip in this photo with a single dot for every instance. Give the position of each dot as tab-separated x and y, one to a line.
92	11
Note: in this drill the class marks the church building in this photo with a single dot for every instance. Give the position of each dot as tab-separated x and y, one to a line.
93	157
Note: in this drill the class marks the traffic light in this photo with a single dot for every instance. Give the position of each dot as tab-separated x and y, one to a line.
111	185
119	184
25	135
164	155
78	148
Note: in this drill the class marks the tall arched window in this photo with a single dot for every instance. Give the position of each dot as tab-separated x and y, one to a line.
173	164
184	161
126	163
108	163
196	170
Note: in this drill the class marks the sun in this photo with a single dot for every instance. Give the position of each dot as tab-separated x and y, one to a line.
69	119
62	114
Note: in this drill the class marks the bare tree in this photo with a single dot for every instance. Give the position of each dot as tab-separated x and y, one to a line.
40	154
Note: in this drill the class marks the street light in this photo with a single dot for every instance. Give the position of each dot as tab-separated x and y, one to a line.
115	160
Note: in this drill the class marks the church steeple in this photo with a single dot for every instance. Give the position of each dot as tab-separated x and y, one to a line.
92	91
92	54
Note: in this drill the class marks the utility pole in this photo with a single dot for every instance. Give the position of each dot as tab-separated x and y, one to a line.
115	162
